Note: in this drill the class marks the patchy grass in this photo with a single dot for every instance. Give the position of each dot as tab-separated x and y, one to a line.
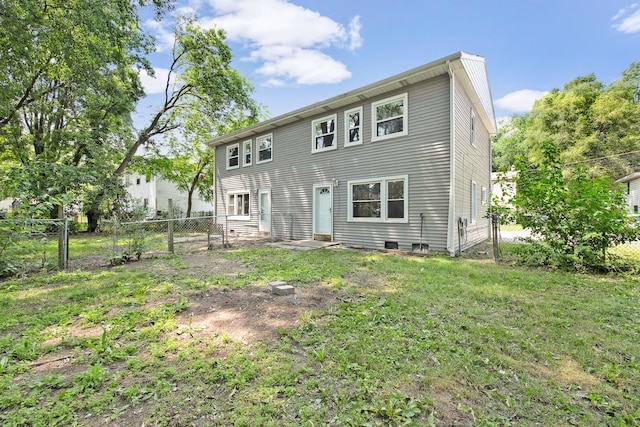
412	341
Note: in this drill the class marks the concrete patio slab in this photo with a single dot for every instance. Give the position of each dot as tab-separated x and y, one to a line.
302	245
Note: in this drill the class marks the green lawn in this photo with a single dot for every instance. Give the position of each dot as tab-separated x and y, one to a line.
412	341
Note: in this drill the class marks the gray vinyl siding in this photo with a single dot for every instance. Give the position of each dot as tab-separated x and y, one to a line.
423	155
472	164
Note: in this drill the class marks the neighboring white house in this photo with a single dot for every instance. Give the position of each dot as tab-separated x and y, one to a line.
503	187
6	204
154	194
632	182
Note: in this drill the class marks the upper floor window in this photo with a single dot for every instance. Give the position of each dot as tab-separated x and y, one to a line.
473	127
324	134
247	160
264	146
389	117
233	156
353	127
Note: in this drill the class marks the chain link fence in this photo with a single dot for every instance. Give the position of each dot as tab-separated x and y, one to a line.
28	245
516	234
131	240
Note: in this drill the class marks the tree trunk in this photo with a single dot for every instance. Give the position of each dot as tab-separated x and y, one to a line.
189	203
92	221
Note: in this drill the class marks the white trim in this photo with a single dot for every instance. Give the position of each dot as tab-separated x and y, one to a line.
383	199
260	193
405	114
229	148
451	243
258	139
347	128
473	214
248	142
314	135
235	216
321	185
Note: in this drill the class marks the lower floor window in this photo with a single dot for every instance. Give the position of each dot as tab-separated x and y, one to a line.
238	205
383	199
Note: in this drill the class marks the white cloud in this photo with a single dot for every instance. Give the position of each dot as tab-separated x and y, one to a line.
288	39
163	34
155	84
305	66
354	33
520	101
627	23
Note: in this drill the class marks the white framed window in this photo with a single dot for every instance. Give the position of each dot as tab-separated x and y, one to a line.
233	156
264	146
472	130
353	127
323	134
379	200
474	206
484	197
238	205
389	118
248	153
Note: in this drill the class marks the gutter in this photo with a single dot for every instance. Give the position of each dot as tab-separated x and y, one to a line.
452	164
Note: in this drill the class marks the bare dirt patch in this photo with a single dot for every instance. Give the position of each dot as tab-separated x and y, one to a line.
253	313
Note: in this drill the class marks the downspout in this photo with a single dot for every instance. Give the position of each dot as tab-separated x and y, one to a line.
452	165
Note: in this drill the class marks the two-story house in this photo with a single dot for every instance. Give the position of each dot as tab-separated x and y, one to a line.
401	163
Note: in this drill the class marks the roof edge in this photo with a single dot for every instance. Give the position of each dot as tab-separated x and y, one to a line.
371	90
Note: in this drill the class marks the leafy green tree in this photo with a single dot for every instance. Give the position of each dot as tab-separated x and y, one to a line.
587	121
510	142
186	160
578	217
69	82
200	79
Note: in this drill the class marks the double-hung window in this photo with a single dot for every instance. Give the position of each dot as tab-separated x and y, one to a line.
264	146
353	127
238	205
379	200
389	117
233	156
248	154
324	134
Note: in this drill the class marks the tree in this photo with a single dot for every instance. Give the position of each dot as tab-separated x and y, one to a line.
69	82
578	217
186	161
587	121
510	142
200	79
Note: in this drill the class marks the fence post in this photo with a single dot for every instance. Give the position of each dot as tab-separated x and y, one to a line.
225	237
115	236
170	226
62	243
494	236
65	227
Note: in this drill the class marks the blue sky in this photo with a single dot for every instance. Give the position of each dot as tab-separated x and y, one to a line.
298	52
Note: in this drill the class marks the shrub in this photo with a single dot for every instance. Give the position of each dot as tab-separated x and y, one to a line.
578	217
